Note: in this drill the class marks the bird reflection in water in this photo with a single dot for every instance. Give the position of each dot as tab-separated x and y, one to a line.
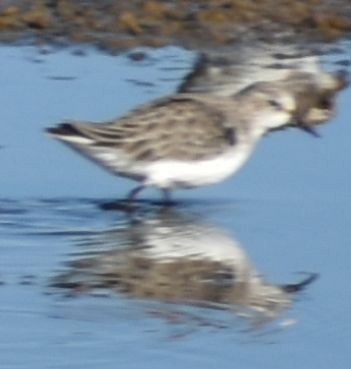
165	254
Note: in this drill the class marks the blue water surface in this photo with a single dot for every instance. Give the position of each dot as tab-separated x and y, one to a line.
289	208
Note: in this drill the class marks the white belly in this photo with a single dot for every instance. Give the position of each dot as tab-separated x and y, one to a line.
175	173
170	173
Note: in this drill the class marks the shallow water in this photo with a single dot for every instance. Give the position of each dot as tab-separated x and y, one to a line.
285	214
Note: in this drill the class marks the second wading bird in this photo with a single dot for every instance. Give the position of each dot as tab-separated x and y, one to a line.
185	140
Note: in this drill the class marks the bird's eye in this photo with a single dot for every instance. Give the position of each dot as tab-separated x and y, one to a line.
275	104
325	103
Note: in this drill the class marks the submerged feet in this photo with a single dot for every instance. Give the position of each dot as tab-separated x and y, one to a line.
132	195
131	202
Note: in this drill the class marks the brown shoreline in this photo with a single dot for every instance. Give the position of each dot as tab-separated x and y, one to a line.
115	25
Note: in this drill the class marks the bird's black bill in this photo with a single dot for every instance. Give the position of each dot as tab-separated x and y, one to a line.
310	130
297	287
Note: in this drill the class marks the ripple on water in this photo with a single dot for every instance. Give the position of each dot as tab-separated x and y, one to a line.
79	283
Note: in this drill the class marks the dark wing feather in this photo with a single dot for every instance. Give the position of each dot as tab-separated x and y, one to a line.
179	128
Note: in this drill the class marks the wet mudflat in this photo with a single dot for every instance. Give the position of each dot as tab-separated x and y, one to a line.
115	25
203	284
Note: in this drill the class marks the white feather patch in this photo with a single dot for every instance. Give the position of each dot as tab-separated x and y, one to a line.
175	173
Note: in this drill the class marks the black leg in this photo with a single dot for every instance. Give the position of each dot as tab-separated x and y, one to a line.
167	196
133	193
125	205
